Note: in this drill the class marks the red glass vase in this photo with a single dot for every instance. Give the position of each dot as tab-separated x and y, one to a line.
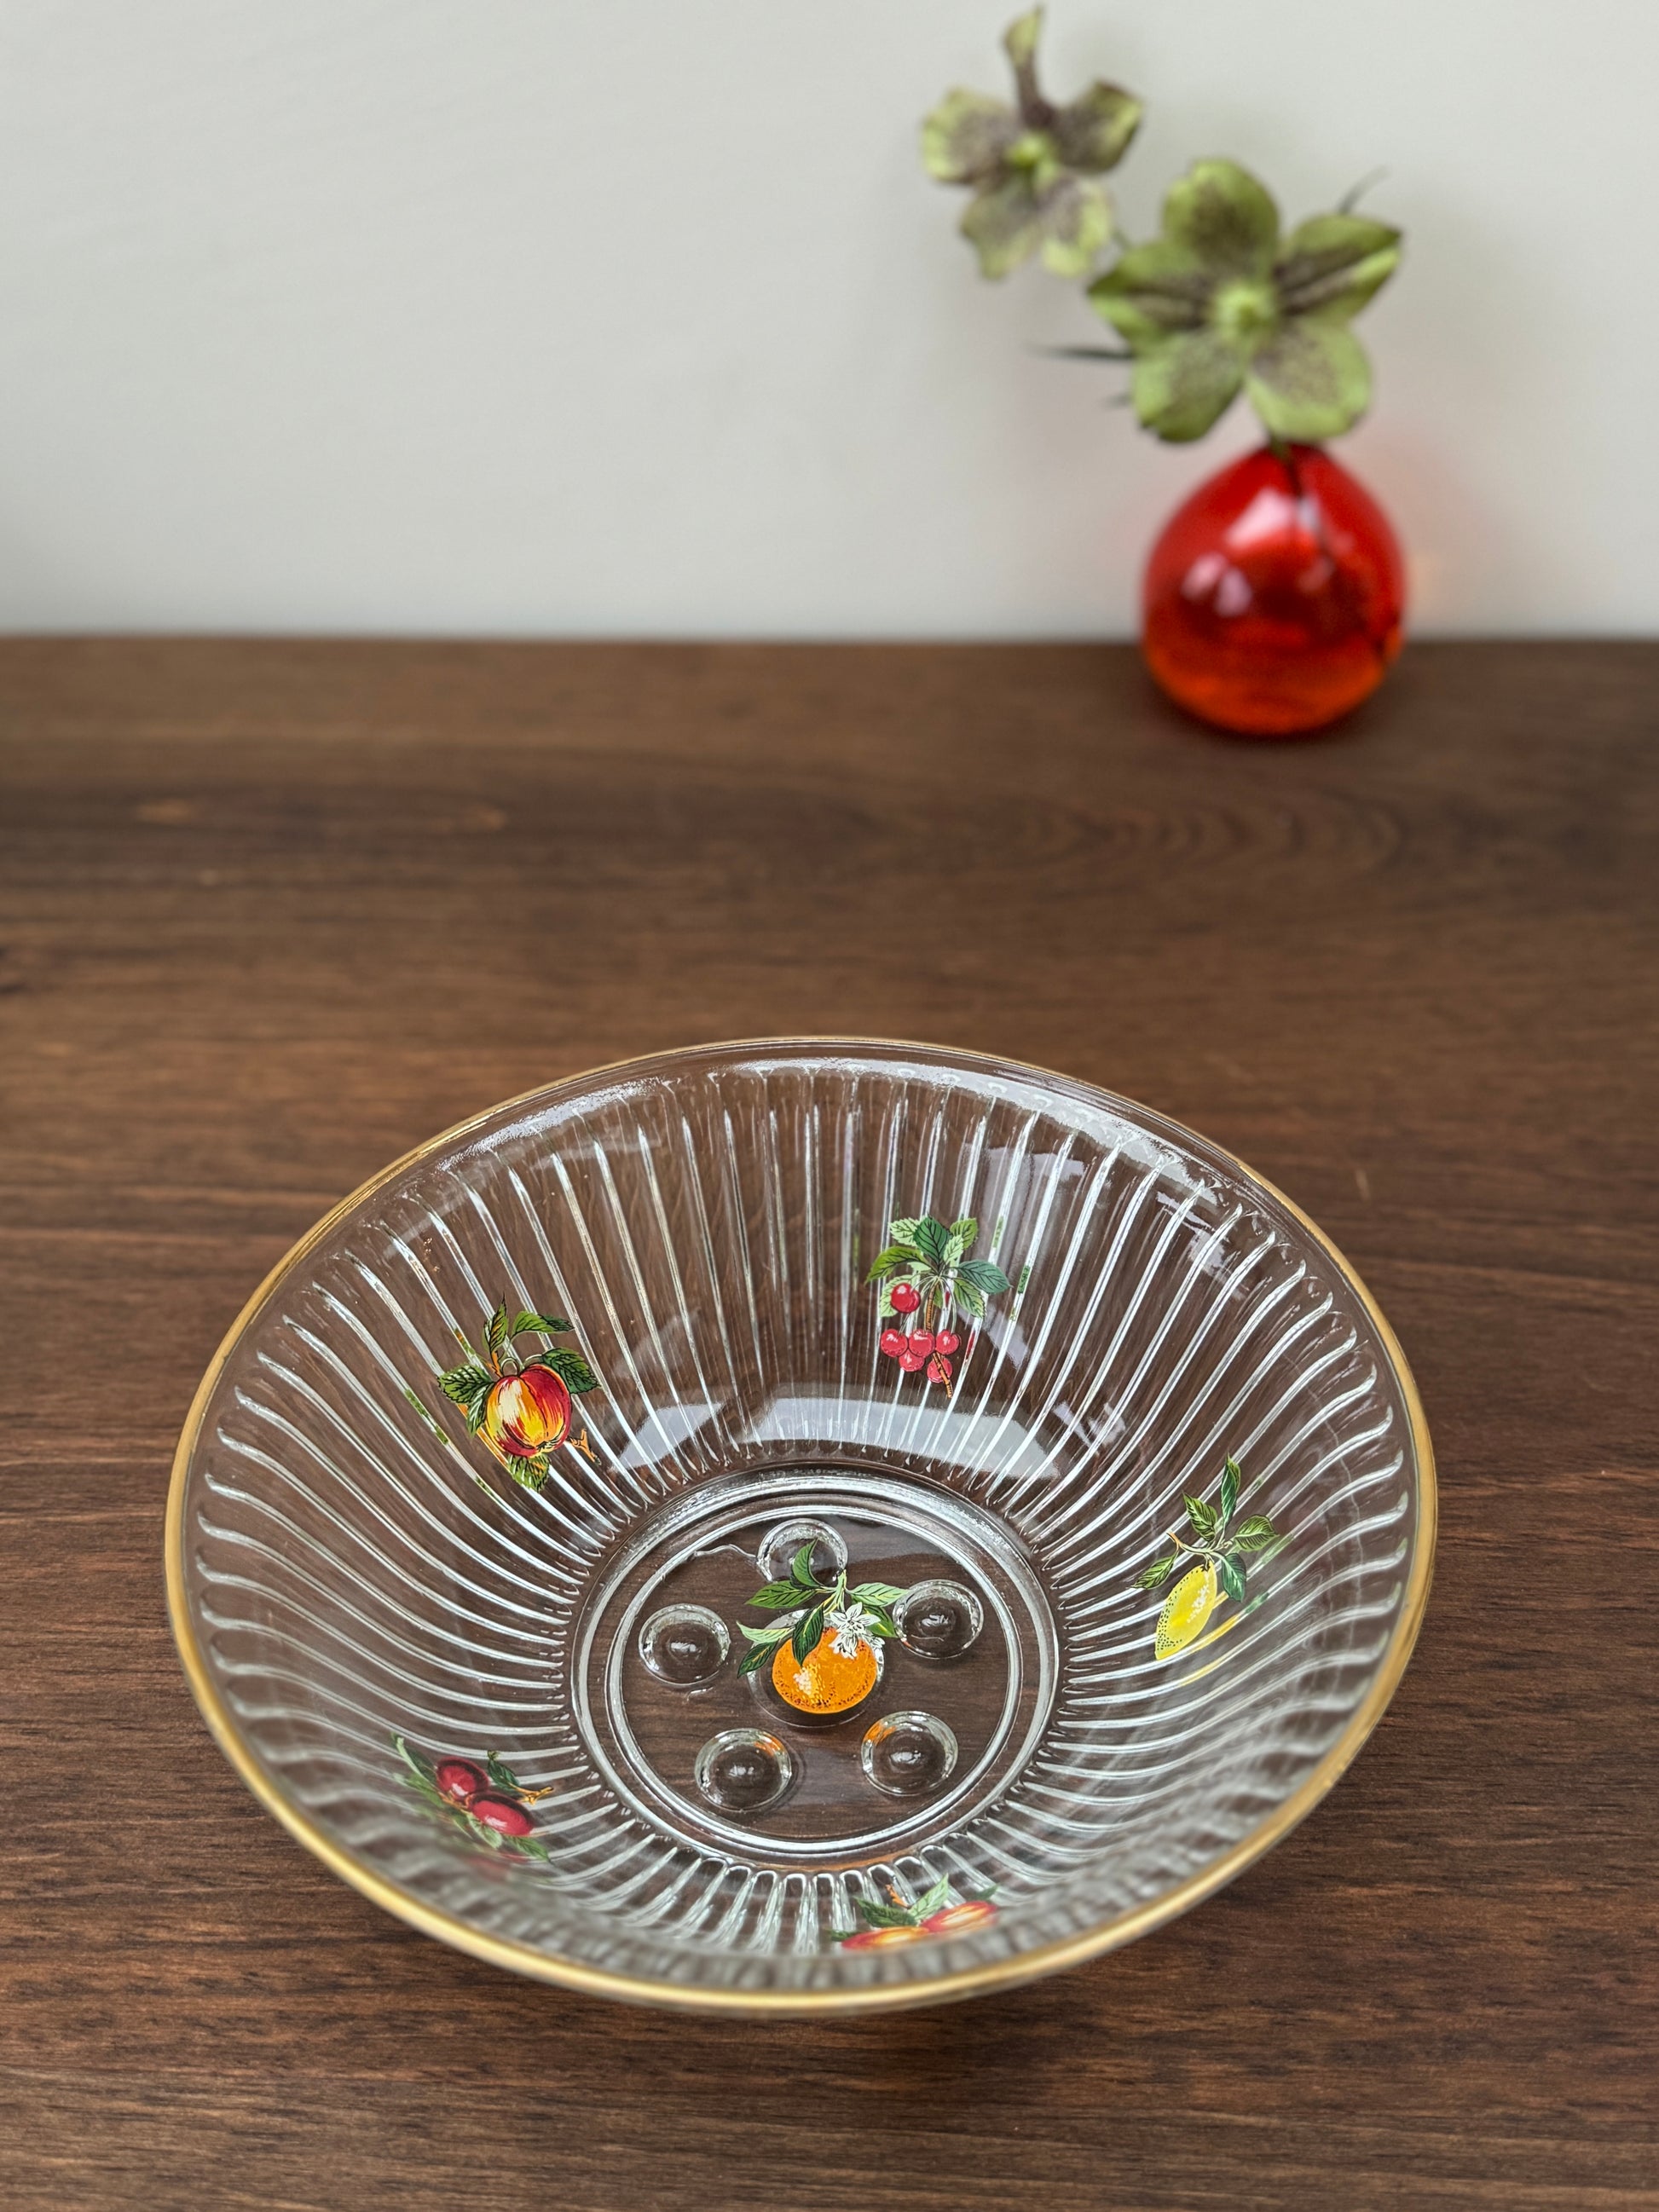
1273	599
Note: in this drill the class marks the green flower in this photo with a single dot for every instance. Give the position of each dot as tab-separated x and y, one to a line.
1221	301
1033	167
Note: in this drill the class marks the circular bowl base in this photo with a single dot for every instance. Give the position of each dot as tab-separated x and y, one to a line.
704	1549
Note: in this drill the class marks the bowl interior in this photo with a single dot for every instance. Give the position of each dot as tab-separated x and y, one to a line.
1089	1536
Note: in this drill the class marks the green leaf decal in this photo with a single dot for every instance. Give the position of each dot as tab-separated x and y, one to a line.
934	1899
773	1632
968	1229
895	1258
983	1276
1204	1517
808	1630
428	1793
501	1773
1230	1575
418	1763
930	1240
800	1568
469	1387
778	1596
496	1331
1253	1534
882	1594
888	1916
549	1324
1229	1482
1159	1571
572	1370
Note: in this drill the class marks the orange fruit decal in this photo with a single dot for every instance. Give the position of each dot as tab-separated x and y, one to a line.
828	1680
825	1653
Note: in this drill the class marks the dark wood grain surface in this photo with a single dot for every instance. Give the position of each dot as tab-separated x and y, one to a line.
273	913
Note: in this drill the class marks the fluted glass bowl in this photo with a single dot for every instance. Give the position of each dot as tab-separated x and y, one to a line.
801	1525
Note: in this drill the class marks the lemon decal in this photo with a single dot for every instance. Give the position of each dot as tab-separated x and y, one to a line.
1186	1609
1216	1552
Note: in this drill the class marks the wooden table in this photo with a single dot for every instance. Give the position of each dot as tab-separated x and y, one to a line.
272	913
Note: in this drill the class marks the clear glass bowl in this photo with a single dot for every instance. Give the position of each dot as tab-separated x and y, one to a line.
1090	1532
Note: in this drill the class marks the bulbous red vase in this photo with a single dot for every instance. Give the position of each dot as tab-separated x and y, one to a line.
1273	600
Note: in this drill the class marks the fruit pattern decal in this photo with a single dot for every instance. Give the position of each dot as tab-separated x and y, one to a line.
931	1914
519	1405
926	1275
1220	1548
824	1656
487	1801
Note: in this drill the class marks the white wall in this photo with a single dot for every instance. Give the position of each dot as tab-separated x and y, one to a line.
638	316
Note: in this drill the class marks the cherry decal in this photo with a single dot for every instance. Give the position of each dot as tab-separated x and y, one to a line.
459	1779
487	1800
928	1277
501	1814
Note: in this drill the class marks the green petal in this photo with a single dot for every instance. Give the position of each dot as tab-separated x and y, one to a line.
1152	292
1311	382
1076	225
1226	220
1332	265
965	137
1019	40
1003	225
1092	133
1184	385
